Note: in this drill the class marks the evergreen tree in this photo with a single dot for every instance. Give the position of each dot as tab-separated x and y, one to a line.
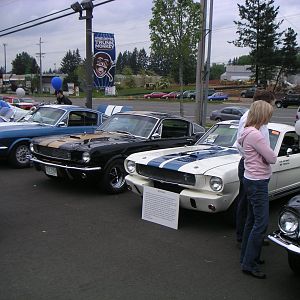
119	64
24	64
133	61
258	31
70	61
142	60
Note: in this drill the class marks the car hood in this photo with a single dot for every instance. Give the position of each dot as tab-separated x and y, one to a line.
193	159
20	129
86	141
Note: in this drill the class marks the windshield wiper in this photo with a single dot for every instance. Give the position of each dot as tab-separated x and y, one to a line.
123	131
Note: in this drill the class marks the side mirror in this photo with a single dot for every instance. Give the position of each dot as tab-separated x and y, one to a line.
62	124
155	136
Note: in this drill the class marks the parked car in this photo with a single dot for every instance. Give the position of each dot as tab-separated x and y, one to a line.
248	93
154	95
205	175
192	95
11	113
15	137
228	113
287	100
171	95
185	94
24	103
100	156
219	96
288	235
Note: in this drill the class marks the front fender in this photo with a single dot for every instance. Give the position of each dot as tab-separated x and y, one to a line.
17	141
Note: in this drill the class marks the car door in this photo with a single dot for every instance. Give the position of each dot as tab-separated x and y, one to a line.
288	165
226	114
236	114
78	122
175	133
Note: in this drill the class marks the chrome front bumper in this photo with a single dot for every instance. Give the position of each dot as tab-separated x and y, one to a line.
276	238
84	169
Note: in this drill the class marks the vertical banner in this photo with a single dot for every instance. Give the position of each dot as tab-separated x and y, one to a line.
104	59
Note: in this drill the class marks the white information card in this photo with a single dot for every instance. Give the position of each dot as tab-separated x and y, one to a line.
161	207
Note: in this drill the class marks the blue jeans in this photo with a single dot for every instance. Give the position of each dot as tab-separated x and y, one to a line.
256	223
242	205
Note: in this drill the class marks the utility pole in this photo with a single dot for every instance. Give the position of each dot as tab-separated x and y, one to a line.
200	64
207	69
4	45
41	72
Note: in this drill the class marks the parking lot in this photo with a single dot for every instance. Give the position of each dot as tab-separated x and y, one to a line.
61	240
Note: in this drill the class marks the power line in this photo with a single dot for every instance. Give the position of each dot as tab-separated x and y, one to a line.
46	21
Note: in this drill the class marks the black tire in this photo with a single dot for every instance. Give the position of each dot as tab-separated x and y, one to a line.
294	262
148	97
278	104
18	157
218	119
243	95
114	177
284	106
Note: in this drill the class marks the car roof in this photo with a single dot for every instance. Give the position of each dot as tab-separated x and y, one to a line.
68	107
155	114
275	126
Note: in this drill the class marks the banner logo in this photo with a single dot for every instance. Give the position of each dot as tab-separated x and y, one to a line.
104	59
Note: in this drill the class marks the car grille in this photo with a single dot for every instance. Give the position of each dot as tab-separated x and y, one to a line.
166	175
53	152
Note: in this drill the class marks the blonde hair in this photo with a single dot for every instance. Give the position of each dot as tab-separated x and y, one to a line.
260	113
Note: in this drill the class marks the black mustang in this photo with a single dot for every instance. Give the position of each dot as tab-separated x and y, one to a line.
101	155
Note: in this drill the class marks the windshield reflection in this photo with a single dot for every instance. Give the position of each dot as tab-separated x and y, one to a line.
44	115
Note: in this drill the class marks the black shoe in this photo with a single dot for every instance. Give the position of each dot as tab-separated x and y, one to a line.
255	273
266	242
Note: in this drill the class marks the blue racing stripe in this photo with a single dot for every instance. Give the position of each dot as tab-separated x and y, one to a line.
180	159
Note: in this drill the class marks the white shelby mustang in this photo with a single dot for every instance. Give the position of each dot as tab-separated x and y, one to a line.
206	175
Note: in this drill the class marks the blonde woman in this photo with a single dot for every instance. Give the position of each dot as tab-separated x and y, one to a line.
258	156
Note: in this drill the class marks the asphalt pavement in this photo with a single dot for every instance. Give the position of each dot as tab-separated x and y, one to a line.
62	240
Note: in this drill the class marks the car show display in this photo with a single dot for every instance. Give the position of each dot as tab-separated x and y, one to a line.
100	156
15	137
205	175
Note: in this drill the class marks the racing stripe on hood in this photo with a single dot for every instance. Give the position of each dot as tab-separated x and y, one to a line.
56	143
176	161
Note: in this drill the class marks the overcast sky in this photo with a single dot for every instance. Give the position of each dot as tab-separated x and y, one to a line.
127	19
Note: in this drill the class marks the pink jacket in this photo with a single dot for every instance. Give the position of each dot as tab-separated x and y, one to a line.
257	153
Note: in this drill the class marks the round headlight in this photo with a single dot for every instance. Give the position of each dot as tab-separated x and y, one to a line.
216	184
288	222
130	166
86	157
31	147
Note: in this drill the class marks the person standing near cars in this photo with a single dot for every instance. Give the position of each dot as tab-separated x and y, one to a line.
62	99
241	210
258	156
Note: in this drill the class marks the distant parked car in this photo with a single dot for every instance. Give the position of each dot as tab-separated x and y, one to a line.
192	95
248	93
172	95
154	95
185	94
24	103
290	99
228	113
219	96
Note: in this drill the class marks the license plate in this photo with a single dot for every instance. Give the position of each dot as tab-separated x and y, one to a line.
51	171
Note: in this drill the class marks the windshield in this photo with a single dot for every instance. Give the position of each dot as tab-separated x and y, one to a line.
132	124
44	115
220	135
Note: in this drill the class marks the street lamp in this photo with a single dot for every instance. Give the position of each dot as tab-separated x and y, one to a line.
87	6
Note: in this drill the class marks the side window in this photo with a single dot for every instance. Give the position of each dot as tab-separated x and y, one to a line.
82	118
236	112
175	128
227	111
290	140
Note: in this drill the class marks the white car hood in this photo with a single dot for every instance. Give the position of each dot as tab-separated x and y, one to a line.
192	159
